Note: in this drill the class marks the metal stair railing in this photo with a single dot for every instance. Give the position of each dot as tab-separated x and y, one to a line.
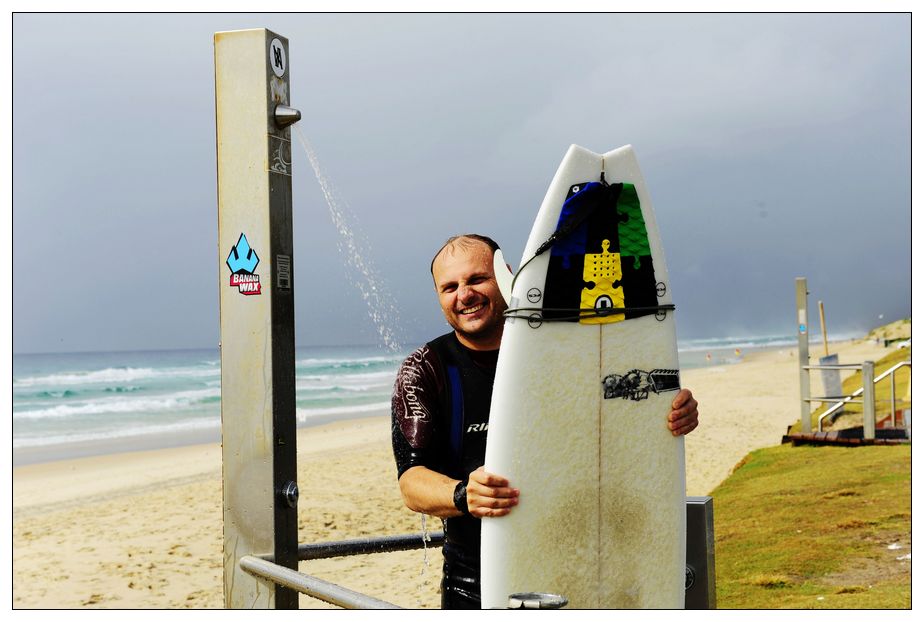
848	398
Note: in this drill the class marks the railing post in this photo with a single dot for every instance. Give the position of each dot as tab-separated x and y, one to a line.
802	321
869	401
892	394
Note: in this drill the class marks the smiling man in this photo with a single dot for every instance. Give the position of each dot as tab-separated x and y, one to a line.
440	409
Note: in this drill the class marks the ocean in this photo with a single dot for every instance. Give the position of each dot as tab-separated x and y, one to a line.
76	404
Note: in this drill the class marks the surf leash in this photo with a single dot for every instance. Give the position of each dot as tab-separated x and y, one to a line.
536	314
581	205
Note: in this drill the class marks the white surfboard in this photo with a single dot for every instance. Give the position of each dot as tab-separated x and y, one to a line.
585	377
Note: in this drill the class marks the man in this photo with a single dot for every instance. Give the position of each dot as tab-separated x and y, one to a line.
440	412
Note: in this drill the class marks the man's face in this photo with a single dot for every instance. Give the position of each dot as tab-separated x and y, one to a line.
463	273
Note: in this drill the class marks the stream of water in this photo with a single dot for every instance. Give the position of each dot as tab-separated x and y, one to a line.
380	304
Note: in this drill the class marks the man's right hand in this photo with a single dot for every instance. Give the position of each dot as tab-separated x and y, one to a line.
490	495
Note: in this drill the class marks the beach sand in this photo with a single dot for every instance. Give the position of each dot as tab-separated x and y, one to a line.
144	529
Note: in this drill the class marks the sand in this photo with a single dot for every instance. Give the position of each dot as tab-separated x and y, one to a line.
144	529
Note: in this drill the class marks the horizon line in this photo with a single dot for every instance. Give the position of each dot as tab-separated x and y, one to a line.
838	337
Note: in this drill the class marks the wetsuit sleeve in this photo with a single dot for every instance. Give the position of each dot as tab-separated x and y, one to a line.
415	407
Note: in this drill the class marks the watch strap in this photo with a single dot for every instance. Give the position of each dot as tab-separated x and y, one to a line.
460	497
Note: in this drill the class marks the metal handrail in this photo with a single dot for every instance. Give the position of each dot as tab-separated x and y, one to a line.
832	366
264	566
312	586
889	372
365	546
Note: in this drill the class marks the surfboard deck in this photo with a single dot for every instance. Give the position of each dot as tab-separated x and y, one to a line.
579	409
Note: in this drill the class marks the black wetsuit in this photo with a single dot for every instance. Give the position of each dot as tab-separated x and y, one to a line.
440	412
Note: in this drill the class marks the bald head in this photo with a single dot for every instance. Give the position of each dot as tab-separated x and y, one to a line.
466	241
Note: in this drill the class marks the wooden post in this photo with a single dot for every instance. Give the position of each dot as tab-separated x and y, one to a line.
824	331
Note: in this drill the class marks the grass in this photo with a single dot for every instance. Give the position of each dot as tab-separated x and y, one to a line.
811	528
822	527
899	329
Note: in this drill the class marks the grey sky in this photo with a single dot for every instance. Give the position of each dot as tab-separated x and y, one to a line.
774	146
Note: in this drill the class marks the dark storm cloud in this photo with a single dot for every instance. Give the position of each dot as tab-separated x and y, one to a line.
773	146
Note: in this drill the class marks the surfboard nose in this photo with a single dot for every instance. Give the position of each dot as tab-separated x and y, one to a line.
578	155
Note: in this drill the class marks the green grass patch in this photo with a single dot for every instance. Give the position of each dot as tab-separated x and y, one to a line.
815	527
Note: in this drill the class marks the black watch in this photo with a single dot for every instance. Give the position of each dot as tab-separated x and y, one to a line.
460	497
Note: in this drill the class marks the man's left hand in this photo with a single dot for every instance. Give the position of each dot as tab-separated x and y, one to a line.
684	416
